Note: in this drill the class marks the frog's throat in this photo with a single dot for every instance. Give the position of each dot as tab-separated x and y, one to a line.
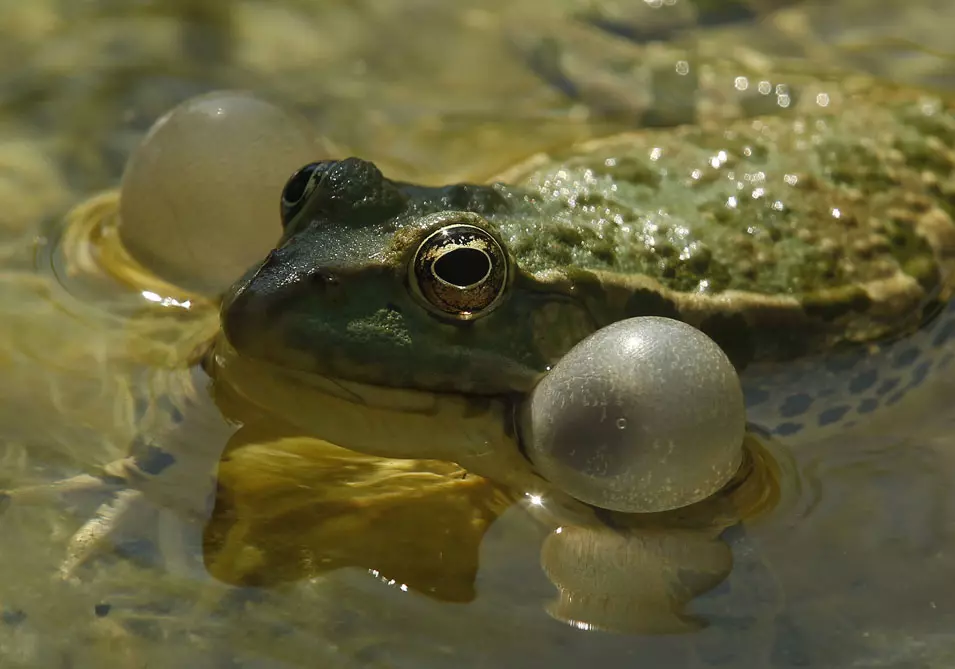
475	432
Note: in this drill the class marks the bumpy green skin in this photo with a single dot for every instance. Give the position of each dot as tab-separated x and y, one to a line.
754	207
780	236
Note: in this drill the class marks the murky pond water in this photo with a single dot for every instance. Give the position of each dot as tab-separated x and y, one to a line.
846	552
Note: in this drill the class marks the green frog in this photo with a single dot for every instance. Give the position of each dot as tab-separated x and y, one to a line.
805	244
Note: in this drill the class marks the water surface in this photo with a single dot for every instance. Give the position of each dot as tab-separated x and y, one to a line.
855	569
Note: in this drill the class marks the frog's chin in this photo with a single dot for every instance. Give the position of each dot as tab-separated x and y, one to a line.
476	432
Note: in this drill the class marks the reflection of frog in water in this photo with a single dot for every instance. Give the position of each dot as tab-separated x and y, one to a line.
403	321
632	573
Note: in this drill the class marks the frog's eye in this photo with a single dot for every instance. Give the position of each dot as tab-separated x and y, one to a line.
460	271
297	189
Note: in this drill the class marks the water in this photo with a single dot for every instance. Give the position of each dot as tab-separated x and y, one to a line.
852	567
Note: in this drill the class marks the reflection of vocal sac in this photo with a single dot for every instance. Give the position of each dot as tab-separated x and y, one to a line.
635	581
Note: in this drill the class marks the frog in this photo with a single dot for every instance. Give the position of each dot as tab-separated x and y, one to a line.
814	247
789	240
813	244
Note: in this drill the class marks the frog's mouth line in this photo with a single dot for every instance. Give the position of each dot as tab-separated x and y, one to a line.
239	371
382	397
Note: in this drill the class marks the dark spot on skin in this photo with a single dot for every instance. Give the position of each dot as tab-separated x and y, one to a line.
863	381
851	423
906	358
833	415
895	398
920	374
154	460
946	360
756	396
795	405
838	364
786	429
4	501
868	405
732	333
102	610
887	386
13	617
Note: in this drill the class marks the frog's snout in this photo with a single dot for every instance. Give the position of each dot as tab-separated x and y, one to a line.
253	305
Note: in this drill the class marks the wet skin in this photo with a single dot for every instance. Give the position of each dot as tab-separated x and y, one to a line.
816	234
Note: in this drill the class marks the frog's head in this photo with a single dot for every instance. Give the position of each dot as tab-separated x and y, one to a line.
392	284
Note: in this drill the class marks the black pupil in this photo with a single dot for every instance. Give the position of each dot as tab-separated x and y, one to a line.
295	188
462	267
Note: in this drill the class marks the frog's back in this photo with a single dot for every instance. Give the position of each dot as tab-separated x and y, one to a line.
816	246
781	236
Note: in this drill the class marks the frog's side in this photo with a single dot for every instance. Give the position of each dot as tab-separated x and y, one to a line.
824	231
